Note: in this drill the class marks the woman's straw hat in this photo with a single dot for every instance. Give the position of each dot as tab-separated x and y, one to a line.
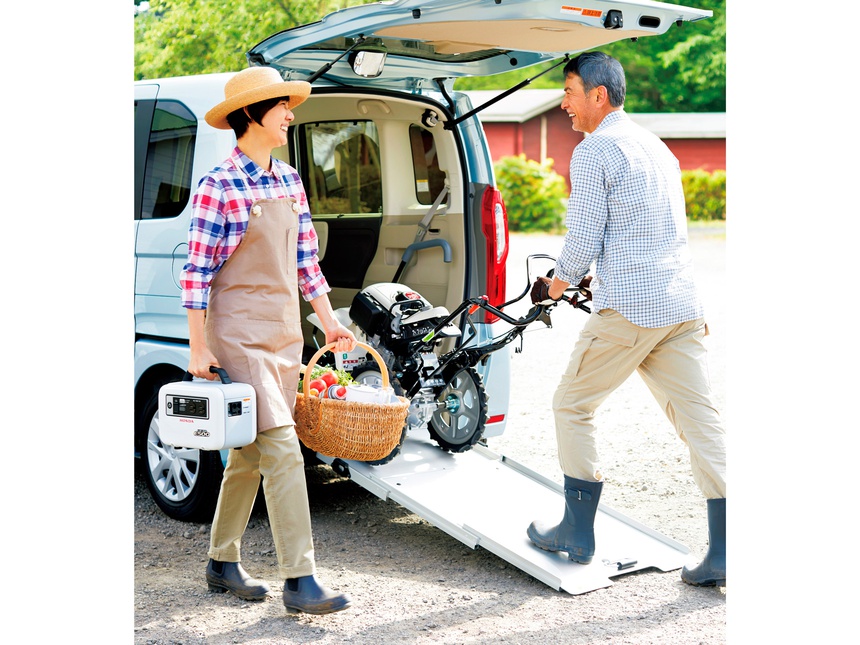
252	85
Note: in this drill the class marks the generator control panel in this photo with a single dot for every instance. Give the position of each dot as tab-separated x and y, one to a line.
182	406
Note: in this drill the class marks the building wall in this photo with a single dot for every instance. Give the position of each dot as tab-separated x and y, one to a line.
510	138
692	154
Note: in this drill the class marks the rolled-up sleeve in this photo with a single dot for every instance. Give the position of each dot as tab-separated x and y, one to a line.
312	282
205	236
587	210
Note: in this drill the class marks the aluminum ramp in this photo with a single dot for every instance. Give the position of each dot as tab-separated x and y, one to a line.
484	499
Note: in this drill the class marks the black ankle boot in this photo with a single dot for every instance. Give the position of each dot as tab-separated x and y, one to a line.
230	576
575	534
307	595
712	570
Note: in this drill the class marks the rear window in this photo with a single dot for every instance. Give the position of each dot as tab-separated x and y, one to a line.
340	167
169	157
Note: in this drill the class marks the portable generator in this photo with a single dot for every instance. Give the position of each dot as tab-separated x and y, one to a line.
208	415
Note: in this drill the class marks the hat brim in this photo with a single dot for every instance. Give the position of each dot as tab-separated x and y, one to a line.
297	91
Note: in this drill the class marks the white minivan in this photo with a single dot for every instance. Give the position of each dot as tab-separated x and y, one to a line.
382	144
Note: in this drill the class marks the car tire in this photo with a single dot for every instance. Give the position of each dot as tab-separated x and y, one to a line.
183	482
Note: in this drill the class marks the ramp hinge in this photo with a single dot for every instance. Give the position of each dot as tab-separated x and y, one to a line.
340	467
623	563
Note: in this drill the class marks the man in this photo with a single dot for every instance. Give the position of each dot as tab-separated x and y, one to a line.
252	255
626	214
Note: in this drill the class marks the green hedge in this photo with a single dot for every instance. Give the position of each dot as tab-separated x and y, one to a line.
536	196
705	193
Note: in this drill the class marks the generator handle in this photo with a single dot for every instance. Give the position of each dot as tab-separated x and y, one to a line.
220	371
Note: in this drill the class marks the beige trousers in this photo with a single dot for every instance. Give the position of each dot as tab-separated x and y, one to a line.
276	456
672	362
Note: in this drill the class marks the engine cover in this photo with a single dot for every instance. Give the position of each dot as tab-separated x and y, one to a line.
394	312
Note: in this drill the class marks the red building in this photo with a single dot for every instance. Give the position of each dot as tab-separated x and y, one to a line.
531	122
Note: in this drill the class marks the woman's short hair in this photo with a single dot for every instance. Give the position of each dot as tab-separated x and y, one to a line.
597	68
239	121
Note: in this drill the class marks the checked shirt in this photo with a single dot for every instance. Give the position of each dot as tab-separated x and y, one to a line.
220	211
626	213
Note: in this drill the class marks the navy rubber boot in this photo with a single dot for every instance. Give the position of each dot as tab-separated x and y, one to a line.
230	576
575	533
712	570
307	595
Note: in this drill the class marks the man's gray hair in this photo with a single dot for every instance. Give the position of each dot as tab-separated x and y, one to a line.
597	68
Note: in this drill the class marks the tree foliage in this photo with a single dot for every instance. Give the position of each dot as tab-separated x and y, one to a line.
182	37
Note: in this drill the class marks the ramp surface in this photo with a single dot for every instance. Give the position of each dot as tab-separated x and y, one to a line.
484	499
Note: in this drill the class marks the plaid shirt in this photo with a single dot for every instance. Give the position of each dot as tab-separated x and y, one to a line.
220	211
626	212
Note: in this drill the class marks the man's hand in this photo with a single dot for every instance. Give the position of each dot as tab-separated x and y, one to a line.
540	292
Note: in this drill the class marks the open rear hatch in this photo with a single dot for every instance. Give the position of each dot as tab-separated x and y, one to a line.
406	44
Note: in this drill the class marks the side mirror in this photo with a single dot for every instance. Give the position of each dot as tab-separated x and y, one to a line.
367	63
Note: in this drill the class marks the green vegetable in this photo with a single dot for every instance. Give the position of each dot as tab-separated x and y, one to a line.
343	377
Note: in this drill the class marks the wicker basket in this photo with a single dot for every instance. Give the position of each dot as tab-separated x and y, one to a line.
349	429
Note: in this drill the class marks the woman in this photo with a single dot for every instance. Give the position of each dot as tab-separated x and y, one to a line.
252	253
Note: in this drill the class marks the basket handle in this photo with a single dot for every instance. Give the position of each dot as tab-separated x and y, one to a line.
306	388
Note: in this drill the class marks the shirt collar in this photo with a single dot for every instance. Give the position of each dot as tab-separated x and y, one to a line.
613	117
244	163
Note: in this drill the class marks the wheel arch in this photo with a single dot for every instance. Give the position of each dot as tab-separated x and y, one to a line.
151	379
155	362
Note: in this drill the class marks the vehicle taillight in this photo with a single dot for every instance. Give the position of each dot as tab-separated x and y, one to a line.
494	223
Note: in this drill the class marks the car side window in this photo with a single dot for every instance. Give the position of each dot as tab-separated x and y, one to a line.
429	178
340	167
169	160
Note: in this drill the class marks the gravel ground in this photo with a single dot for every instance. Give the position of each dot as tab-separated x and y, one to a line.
412	583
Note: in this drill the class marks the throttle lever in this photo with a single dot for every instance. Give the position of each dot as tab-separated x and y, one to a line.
577	303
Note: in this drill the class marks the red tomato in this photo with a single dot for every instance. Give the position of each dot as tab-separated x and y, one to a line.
318	384
330	378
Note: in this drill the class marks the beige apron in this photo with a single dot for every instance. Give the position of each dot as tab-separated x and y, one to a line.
252	322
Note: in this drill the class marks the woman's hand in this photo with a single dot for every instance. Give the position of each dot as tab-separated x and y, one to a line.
200	361
344	338
335	332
